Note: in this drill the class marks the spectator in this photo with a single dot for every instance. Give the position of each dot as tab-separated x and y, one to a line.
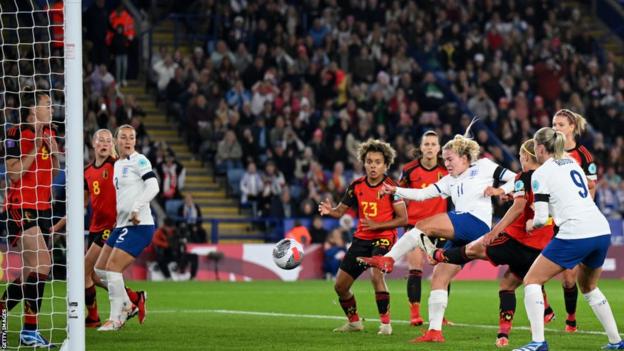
283	207
101	79
335	250
607	200
163	249
119	48
165	71
317	232
190	214
96	23
273	184
251	186
172	175
229	153
299	233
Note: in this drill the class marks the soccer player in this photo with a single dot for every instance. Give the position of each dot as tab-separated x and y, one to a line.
32	160
419	174
583	238
508	243
572	124
100	191
135	186
380	215
467	179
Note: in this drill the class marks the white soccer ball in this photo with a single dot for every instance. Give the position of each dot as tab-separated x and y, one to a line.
288	254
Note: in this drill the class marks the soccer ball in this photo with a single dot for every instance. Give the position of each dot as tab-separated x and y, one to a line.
288	254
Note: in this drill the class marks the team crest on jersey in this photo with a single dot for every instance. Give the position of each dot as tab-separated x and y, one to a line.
536	185
473	172
519	185
592	168
105	174
124	172
440	175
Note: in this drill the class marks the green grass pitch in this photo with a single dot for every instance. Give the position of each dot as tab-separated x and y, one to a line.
271	315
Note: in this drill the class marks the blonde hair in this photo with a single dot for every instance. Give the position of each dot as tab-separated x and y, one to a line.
104	130
124	126
580	124
463	145
528	148
553	141
376	145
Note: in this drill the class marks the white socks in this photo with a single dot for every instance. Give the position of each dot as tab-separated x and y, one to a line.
102	275
407	243
534	304
602	310
438	300
117	295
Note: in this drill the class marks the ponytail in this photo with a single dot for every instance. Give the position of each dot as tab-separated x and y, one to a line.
553	141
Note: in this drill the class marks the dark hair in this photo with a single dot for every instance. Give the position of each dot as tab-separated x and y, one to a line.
29	98
375	145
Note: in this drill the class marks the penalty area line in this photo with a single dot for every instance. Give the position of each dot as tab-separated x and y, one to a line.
329	317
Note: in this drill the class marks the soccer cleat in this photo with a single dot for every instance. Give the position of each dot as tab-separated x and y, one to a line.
383	263
431	335
427	245
142	306
534	346
385	329
350	327
549	316
415	318
35	339
110	325
616	346
570	326
502	341
92	323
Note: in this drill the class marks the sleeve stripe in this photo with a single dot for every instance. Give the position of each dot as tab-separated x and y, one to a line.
437	187
542	197
148	175
585	152
498	172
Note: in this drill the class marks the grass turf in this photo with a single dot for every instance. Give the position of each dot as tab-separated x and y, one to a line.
266	315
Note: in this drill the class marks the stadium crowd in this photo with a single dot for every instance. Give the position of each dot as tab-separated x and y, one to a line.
285	92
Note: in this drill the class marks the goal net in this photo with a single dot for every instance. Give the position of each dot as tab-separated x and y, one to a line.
34	173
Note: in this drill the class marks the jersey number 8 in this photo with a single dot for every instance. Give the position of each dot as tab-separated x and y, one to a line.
577	179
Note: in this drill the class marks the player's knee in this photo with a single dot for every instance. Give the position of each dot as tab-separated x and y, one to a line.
341	289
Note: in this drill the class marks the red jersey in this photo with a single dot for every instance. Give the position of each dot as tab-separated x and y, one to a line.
538	238
584	158
33	190
372	206
417	176
99	184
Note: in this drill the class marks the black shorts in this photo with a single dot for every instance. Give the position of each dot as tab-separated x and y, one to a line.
507	250
20	220
364	248
99	238
439	242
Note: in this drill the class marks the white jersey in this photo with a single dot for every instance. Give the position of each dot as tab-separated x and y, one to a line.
129	185
467	189
563	184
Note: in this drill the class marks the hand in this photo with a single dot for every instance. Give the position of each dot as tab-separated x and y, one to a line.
52	145
388	189
529	226
492	191
59	225
325	208
38	136
369	224
489	238
134	217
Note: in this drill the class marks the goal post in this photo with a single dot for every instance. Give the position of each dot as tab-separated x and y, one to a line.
74	165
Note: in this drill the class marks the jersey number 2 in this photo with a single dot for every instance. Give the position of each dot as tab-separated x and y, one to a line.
122	236
577	179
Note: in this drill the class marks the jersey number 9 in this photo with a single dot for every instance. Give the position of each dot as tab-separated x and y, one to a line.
577	179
